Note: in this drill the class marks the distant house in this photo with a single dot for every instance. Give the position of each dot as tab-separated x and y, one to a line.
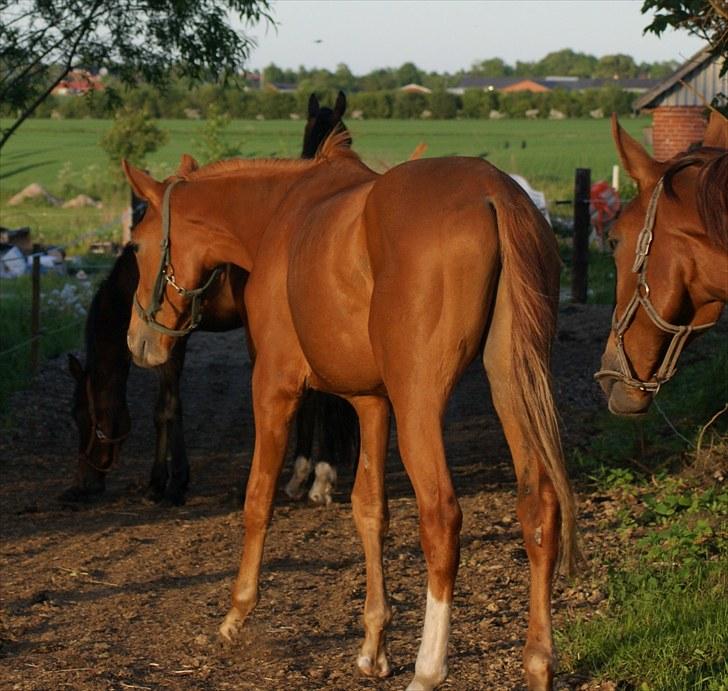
545	84
415	89
78	82
280	87
677	104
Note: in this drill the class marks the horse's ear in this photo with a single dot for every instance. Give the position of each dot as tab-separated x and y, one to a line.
187	165
340	105
717	132
313	106
75	368
642	168
144	185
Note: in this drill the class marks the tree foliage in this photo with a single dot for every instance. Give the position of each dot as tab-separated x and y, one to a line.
707	19
132	136
42	41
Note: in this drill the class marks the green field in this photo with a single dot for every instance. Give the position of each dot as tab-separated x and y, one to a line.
52	152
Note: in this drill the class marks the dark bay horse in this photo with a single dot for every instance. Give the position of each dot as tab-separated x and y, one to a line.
99	401
417	272
671	256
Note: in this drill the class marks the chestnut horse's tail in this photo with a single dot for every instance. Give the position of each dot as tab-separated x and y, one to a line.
530	267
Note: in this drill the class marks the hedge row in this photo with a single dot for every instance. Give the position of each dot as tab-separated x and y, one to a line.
195	103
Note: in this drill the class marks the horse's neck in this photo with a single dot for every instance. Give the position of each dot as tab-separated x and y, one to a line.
714	274
240	208
107	354
236	210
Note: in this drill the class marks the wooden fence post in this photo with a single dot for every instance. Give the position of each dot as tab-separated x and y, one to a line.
35	311
580	257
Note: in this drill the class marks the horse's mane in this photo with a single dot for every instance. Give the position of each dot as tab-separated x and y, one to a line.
712	190
110	307
335	146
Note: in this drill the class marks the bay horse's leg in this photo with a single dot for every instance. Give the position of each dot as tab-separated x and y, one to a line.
275	398
369	506
170	472
338	430
537	503
305	421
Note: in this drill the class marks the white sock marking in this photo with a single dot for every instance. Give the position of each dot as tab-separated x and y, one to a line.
323	485
301	470
431	665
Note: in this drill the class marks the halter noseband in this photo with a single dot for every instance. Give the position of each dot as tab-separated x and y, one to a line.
165	275
641	297
98	435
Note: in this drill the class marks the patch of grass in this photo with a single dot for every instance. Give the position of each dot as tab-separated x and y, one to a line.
601	274
666	623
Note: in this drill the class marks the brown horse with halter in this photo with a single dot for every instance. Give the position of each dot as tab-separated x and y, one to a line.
671	254
417	272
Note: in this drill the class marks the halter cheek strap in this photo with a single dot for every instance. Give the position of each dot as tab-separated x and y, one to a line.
97	435
641	298
165	276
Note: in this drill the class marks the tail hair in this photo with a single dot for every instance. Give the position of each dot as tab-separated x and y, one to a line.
531	266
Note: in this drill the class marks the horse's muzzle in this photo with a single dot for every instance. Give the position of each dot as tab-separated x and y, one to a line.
622	399
145	345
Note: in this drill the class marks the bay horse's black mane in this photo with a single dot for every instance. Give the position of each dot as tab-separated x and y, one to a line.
111	305
711	192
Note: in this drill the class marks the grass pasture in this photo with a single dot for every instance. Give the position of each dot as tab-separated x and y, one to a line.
52	152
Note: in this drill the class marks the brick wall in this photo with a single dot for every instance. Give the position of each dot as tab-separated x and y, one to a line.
675	128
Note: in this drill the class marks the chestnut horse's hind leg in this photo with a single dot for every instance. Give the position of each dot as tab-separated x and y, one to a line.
537	505
419	429
369	505
170	472
273	408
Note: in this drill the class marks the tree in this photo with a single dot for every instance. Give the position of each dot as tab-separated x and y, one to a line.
492	67
41	42
617	66
212	140
707	19
132	136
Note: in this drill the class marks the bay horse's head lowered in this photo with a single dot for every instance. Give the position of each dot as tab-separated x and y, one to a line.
671	257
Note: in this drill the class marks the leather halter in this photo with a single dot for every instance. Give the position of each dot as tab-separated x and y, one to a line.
165	275
641	297
97	435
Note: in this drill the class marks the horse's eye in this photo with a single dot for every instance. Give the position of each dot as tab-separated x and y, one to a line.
613	242
134	246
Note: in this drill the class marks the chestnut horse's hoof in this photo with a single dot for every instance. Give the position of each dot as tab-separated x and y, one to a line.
232	625
539	666
378	668
420	683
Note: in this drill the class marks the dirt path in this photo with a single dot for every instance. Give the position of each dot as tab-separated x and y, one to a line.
124	594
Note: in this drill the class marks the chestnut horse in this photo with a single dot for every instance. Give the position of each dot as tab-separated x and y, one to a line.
418	271
671	254
99	400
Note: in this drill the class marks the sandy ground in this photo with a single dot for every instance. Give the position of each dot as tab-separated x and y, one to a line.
125	594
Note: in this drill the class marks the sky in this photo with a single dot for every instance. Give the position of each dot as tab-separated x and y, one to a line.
449	35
